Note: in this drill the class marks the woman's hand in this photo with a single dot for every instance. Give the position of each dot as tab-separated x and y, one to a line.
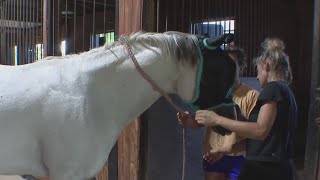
182	119
187	121
207	118
213	156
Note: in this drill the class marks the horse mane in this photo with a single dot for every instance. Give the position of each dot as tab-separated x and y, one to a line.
180	45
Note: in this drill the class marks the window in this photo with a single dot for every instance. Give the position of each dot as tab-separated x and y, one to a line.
15	55
32	54
63	47
213	28
101	39
39	51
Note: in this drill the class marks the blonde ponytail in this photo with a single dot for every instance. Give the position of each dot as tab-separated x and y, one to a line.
273	50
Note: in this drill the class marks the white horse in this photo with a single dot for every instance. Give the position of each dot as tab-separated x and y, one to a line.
60	117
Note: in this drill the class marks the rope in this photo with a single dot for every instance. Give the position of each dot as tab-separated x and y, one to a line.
183	153
168	99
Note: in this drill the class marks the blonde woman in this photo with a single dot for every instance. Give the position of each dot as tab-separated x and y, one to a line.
271	123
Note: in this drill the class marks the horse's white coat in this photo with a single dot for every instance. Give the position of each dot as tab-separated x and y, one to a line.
61	116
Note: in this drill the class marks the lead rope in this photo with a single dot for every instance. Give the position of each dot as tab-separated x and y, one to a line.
168	99
183	153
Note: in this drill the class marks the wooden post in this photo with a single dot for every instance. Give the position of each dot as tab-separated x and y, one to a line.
148	15
312	157
130	15
47	26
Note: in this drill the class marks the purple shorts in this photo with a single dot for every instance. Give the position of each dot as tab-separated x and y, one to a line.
229	165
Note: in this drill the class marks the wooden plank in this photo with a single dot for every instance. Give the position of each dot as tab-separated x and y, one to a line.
128	152
124	154
128	10
45	28
103	175
136	15
312	160
149	11
125	16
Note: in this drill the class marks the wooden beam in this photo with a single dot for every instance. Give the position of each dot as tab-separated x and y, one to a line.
312	157
149	22
130	16
45	29
18	24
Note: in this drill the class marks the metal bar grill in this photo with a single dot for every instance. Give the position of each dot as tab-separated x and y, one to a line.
19	30
73	27
249	20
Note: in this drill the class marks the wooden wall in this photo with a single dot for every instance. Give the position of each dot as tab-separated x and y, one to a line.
256	20
77	31
312	158
289	20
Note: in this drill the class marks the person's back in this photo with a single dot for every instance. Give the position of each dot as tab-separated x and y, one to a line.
273	148
269	154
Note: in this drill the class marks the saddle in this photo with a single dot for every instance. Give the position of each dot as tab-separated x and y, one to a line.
228	110
215	136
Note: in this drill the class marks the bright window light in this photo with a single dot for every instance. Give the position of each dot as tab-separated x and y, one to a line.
15	55
63	47
213	28
102	39
39	51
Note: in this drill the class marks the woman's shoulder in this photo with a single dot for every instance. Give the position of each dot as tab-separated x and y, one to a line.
273	90
275	86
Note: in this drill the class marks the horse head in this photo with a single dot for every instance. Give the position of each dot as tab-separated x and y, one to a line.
189	65
218	71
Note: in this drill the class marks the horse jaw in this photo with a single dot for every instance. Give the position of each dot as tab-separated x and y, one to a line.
186	83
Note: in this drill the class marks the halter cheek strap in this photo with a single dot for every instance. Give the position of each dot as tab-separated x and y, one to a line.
198	80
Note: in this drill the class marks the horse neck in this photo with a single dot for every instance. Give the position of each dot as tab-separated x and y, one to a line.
128	93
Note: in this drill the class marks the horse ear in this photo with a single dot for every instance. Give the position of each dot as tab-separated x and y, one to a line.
219	40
